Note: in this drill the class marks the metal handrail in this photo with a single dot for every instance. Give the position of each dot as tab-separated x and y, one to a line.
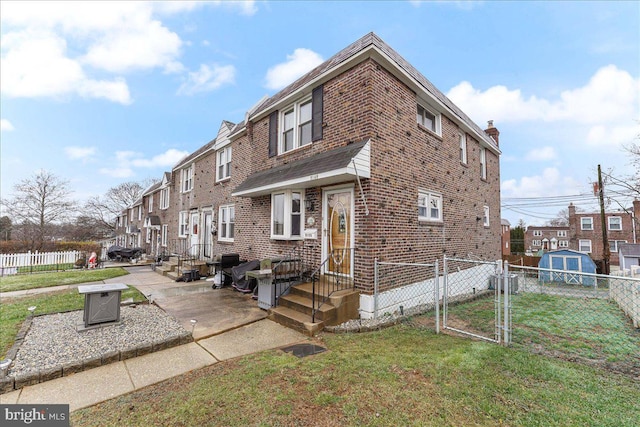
327	284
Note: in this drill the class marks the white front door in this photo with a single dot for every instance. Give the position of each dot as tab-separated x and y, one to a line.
337	231
194	224
207	236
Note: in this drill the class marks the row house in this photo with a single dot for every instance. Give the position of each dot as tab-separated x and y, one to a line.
585	230
546	238
360	159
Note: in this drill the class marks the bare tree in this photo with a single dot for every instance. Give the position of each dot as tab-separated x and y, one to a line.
561	219
105	209
38	202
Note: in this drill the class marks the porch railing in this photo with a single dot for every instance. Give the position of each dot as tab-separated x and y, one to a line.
290	270
333	275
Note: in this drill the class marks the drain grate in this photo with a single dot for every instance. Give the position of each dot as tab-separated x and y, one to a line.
302	350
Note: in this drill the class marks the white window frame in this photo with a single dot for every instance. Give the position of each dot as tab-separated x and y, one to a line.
563	243
226	223
186	183
462	138
583	221
614	245
165	235
223	164
164	198
425	202
183	224
536	243
562	233
421	115
485	217
537	233
483	163
297	125
619	221
288	215
583	243
140	213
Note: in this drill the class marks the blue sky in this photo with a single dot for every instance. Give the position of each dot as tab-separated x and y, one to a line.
103	93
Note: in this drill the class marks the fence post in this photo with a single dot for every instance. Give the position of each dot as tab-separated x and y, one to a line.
445	284
437	299
507	296
375	288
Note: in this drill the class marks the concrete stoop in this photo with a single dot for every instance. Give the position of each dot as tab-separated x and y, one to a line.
295	309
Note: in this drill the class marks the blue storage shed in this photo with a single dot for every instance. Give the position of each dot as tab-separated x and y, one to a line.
562	263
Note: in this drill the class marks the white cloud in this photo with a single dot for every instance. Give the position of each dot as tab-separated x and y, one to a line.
127	161
541	154
79	153
207	79
550	183
6	126
301	61
610	97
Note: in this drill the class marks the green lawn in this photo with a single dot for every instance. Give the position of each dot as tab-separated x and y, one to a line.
400	376
15	310
45	280
587	328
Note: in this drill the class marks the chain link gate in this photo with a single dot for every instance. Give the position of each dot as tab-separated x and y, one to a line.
480	286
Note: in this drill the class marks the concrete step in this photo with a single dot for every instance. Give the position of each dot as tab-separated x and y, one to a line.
295	320
304	305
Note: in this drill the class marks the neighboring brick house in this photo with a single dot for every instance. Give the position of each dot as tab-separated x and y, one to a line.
506	237
585	231
546	238
362	155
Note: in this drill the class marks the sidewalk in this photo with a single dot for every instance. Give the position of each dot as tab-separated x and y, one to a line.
87	388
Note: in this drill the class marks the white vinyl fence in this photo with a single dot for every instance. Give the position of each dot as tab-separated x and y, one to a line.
10	263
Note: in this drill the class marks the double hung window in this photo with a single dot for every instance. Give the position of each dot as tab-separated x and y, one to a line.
164	198
286	215
615	223
224	164
296	126
226	224
483	163
586	223
183	224
462	138
187	179
584	246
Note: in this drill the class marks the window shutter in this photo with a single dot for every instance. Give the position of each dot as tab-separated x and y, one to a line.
273	134
316	114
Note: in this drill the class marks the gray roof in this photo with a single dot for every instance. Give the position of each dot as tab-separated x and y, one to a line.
323	162
372	39
630	249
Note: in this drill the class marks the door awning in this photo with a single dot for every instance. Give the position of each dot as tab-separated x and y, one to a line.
331	167
152	221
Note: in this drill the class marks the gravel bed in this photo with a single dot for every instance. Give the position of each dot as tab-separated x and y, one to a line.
54	339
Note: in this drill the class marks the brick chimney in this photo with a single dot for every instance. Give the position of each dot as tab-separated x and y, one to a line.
493	132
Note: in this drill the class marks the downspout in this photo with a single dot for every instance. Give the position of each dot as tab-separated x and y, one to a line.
364	201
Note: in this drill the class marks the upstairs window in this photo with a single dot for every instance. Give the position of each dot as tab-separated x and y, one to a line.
187	179
224	164
615	223
483	163
164	198
296	126
428	119
562	233
462	138
537	233
429	206
151	203
586	223
286	215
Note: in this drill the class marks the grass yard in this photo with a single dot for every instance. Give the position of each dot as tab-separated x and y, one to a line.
400	376
588	329
15	310
45	280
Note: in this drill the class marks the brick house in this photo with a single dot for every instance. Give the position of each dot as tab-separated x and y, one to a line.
546	238
361	157
585	230
506	237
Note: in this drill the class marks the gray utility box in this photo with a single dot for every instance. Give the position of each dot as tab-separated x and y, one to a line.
513	283
268	291
101	303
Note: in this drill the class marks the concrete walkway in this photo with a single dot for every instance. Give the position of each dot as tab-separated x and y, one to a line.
246	335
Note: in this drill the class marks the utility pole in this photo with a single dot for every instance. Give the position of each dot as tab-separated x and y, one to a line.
606	253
